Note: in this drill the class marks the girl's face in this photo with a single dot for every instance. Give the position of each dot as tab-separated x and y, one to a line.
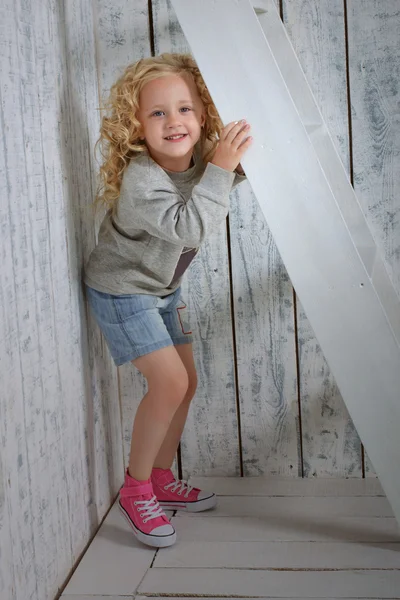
171	115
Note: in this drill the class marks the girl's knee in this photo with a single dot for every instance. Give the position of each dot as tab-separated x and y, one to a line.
166	374
173	386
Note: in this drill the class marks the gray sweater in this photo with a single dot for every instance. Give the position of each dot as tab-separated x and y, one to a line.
161	220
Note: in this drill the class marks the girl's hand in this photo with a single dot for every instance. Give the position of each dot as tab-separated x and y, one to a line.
232	145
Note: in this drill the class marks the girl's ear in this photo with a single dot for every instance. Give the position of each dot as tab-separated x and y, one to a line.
203	120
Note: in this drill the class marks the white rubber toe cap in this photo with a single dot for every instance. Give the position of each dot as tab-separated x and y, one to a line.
160	537
163	530
205	501
203	495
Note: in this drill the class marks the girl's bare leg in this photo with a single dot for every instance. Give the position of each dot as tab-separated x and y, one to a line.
168	383
167	452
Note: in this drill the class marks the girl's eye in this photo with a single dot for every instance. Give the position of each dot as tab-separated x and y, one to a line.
157	113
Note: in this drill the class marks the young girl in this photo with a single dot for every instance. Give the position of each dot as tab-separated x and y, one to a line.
168	171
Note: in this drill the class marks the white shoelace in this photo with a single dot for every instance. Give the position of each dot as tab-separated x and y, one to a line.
174	485
151	509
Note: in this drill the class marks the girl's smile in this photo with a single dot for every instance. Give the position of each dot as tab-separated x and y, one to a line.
176	138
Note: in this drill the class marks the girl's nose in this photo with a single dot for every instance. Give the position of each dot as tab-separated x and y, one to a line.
173	120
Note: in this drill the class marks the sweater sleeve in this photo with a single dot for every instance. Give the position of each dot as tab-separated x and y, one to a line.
162	211
238	179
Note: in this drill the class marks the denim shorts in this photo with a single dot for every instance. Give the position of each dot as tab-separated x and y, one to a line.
136	324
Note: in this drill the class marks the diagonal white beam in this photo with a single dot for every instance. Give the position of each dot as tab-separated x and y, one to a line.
311	209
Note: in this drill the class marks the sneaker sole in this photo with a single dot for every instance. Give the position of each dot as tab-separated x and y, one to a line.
199	506
155	541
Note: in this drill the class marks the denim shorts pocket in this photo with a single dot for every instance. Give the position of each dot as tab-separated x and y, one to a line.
129	305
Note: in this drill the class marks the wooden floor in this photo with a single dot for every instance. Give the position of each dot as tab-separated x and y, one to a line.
268	538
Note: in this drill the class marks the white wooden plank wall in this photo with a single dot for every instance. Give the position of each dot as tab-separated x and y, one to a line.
282	429
279	429
61	451
374	65
102	411
63	446
331	446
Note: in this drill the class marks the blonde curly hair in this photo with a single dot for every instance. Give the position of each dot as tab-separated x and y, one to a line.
119	132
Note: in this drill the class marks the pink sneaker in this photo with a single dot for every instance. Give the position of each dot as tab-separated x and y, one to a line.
139	506
180	495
